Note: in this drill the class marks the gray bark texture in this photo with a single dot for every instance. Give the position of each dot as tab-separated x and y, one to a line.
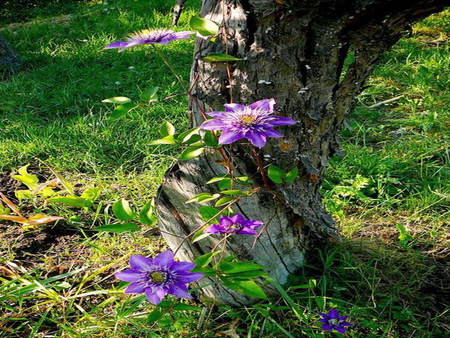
9	60
293	51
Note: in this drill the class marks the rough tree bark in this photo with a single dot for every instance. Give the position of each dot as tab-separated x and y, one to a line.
293	51
9	60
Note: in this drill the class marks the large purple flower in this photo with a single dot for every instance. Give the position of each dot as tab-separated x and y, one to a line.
253	122
333	321
161	36
159	276
235	224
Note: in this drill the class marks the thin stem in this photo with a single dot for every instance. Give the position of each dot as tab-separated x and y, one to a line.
261	168
180	80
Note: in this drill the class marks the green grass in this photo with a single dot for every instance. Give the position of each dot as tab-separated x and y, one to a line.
395	173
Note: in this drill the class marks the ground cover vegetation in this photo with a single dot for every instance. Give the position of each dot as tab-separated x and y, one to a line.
389	190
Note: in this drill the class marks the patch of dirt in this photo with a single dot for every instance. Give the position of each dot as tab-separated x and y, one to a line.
8	185
57	246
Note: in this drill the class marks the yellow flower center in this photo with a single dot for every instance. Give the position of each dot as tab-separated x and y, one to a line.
247	119
157	277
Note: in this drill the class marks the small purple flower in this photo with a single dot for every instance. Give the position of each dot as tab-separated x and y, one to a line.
253	122
161	36
235	224
332	321
159	276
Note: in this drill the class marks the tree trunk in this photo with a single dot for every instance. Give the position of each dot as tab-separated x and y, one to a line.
293	51
9	61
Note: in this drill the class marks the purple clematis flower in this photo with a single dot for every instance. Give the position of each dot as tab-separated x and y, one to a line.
159	276
253	122
333	321
235	224
161	36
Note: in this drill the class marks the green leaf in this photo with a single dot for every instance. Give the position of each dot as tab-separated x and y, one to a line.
122	210
208	212
204	26
122	110
224	200
220	57
234	192
205	259
23	195
186	307
189	136
210	140
117	100
146	216
119	227
248	275
149	95
237	267
64	182
4	210
31	181
72	201
276	174
167	129
291	175
191	152
224	184
91	194
203	197
199	235
217	179
155	315
165	140
249	288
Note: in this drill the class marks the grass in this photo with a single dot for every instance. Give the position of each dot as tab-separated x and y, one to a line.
394	176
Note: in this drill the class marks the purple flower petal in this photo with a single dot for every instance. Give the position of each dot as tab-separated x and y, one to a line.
139	262
266	105
116	44
164	259
236	219
272	133
282	121
333	314
327	327
129	275
155	277
340	329
246	231
183	35
332	321
138	287
229	136
178	291
191	277
213	125
152	296
214	229
217	114
161	36
252	224
183	266
231	107
257	139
